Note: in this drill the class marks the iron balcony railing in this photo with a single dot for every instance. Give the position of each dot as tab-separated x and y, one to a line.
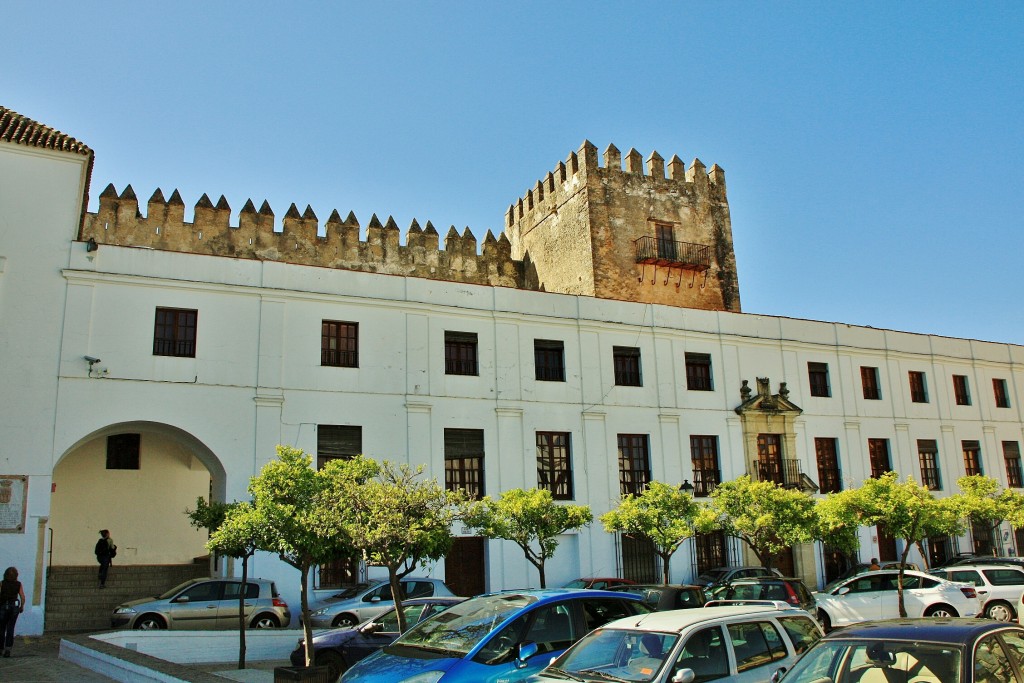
663	252
785	472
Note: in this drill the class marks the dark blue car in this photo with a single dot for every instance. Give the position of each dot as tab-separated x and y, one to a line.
340	648
496	638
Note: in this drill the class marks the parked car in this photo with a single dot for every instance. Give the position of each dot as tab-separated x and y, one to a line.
917	651
600	582
740	643
200	604
720	575
862	567
340	648
999	587
505	637
661	597
987	559
370	601
787	589
873	595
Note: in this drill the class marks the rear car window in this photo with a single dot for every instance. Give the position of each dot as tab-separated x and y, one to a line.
1004	577
802	632
756	644
599	611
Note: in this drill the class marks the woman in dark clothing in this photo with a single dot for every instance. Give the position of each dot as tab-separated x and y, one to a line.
12	603
105	551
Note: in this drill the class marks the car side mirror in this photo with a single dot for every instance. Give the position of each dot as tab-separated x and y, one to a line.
843	591
371	627
375	598
525	651
181	598
684	676
777	676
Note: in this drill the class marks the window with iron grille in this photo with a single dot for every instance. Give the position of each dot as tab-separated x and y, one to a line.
961	390
769	458
928	453
337	441
706	473
174	333
878	455
1002	396
918	388
698	372
627	366
464	461
869	383
817	373
339	344
827	452
123	451
634	463
460	353
710	551
549	360
972	457
1011	454
554	464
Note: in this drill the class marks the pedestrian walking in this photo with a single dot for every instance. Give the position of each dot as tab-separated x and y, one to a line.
12	603
105	552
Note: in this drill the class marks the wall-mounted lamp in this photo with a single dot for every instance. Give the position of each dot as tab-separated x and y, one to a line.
686	486
91	360
91	245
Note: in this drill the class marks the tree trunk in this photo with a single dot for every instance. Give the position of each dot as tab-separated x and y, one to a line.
665	567
396	595
307	629
543	581
241	614
899	582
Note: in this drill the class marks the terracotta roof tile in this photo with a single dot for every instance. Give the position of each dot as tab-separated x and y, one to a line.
24	131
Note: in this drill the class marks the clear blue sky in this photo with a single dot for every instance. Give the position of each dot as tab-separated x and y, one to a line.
874	152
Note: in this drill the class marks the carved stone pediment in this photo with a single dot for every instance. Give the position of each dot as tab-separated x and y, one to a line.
766	402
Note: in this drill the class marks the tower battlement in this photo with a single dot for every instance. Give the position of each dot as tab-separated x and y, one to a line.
255	236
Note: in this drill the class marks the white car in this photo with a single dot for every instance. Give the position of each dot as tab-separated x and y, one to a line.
741	643
999	587
365	601
873	595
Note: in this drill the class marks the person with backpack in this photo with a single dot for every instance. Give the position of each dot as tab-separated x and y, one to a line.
105	552
12	603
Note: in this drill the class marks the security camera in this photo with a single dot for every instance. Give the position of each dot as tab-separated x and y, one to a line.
91	360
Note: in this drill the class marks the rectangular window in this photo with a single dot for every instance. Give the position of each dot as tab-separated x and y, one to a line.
123	451
972	458
337	441
627	366
1011	453
549	360
339	344
698	372
1002	395
928	453
460	353
918	388
818	375
464	461
828	465
663	235
710	550
706	473
869	382
878	455
961	390
174	333
769	459
634	463
554	464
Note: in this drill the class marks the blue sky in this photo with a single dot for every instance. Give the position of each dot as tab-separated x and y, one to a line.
874	152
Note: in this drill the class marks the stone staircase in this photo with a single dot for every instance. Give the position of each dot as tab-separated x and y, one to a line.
74	601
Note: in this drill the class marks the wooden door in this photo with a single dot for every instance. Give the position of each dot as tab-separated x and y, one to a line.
464	567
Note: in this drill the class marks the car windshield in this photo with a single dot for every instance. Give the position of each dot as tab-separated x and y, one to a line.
855	660
352	591
461	627
711	576
177	589
578	583
618	655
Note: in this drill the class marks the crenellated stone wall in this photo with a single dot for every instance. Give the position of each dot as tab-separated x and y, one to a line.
576	229
119	221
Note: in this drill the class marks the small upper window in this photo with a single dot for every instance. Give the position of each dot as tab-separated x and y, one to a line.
123	451
818	375
698	372
1002	396
869	382
961	390
918	388
460	356
627	366
339	344
549	360
175	332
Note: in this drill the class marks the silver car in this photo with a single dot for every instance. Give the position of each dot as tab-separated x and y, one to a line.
360	603
201	604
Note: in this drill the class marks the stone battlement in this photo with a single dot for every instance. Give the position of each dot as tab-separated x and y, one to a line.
119	221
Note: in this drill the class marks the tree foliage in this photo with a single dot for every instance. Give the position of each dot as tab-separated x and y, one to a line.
838	519
982	500
764	515
662	514
529	518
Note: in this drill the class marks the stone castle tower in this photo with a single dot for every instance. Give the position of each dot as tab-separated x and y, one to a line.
587	230
624	234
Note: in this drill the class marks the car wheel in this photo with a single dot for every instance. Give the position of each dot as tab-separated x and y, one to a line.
265	621
999	611
334	662
344	620
941	611
150	622
826	623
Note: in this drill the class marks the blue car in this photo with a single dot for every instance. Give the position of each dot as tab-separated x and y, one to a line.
500	637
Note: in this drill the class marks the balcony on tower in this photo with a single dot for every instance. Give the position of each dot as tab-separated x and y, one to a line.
659	251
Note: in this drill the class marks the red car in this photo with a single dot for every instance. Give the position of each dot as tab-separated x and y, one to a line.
600	582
